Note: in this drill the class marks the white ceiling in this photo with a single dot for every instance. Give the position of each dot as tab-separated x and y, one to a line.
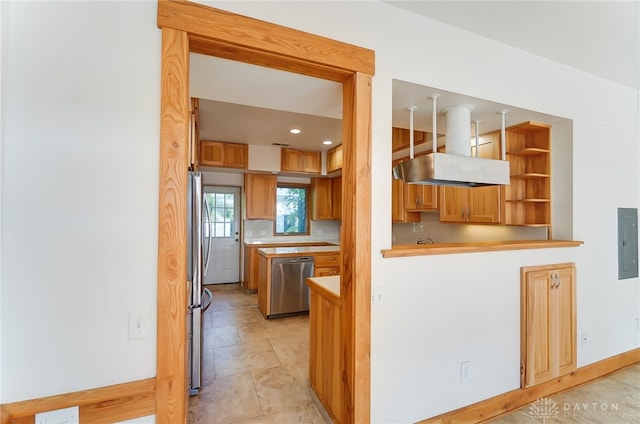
599	37
255	105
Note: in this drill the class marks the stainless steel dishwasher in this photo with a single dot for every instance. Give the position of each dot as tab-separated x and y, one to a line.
289	291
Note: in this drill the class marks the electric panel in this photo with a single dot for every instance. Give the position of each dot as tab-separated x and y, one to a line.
627	243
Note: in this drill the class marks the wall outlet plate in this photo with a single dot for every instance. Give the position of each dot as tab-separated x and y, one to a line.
138	325
59	416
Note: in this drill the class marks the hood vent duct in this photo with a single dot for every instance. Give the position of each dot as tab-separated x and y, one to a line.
456	167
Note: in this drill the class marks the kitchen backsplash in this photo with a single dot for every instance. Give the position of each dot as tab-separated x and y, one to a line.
255	229
430	227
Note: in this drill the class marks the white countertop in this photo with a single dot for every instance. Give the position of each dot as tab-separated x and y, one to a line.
298	250
330	283
254	242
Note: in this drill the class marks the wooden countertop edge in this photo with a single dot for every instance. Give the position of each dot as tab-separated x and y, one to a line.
323	291
448	248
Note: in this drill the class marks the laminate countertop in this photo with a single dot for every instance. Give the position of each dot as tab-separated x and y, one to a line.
273	252
327	285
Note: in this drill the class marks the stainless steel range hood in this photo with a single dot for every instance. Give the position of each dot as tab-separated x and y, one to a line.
456	167
453	170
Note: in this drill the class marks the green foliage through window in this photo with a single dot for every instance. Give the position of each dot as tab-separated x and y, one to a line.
291	210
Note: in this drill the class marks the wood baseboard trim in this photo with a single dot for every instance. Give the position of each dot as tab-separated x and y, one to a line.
103	405
510	401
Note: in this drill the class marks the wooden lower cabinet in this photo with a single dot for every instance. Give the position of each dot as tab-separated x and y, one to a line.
325	362
250	261
548	322
326	265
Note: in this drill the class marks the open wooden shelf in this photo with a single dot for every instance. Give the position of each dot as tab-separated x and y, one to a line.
528	196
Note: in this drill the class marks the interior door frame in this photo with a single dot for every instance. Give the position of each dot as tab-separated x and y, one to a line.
190	27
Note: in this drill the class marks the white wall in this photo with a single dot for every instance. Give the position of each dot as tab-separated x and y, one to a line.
441	310
2	50
79	124
81	96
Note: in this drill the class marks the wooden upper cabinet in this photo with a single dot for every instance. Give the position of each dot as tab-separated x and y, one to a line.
478	204
293	160
399	212
321	199
226	155
260	196
194	134
548	322
334	159
336	198
326	198
400	138
420	197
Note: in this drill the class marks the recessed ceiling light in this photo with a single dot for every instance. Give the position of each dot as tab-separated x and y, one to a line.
294	131
327	142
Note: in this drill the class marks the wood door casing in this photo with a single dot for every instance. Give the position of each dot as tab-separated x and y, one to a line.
190	27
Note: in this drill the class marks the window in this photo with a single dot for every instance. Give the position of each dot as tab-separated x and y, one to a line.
221	214
292	209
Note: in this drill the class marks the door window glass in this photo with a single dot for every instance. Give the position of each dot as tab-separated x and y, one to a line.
221	214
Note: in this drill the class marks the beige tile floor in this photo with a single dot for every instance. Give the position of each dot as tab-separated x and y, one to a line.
256	371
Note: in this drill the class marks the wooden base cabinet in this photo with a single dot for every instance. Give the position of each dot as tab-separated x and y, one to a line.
326	265
325	359
548	322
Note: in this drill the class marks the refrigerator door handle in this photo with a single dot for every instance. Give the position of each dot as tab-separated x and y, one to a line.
207	297
208	254
196	289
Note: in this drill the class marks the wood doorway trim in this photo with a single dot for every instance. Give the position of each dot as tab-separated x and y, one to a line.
190	27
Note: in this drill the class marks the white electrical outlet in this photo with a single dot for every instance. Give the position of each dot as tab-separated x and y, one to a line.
584	339
376	295
138	325
59	416
465	372
638	325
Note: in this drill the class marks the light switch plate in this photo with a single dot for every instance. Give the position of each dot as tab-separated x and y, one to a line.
59	416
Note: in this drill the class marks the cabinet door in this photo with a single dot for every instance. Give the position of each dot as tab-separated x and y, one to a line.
260	196
311	162
484	205
539	363
565	319
400	138
291	160
420	197
334	159
398	210
336	198
236	155
454	204
321	198
549	324
211	153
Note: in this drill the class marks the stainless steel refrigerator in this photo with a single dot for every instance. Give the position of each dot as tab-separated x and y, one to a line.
198	249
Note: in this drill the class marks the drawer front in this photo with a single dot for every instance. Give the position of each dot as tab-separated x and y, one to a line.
327	271
327	260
